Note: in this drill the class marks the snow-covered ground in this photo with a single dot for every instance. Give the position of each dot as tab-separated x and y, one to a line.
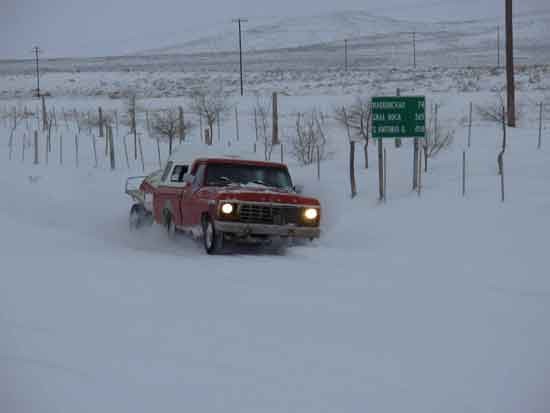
435	303
116	85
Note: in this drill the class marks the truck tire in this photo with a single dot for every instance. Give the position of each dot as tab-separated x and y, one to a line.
170	225
139	217
212	239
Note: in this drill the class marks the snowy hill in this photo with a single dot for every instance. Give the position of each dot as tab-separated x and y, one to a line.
282	33
308	46
361	28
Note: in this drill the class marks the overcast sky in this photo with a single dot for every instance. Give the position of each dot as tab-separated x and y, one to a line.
111	27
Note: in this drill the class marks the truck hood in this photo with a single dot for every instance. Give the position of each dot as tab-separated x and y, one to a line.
260	194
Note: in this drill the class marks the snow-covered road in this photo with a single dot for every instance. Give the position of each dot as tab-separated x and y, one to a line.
430	304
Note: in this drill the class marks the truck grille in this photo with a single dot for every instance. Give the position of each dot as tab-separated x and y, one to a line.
269	214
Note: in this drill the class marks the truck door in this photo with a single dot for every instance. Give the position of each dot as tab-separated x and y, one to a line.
190	207
177	184
170	192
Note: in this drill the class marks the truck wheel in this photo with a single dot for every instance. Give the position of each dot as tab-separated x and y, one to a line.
170	225
138	217
213	240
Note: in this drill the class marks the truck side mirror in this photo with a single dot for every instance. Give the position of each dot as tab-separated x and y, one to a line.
298	189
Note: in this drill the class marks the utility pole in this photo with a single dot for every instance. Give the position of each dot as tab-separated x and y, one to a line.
239	21
498	46
346	53
275	121
510	65
37	51
414	49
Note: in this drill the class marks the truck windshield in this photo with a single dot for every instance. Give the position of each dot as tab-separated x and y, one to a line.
226	174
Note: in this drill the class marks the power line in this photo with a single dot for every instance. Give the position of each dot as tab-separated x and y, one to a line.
239	21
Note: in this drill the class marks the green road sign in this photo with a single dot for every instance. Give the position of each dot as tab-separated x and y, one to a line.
399	117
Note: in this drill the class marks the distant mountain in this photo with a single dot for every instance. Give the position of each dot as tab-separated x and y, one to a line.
281	33
263	34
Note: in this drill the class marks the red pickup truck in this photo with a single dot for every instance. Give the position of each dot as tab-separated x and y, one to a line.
225	199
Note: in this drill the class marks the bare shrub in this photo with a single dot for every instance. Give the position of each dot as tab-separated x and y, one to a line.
262	111
437	138
356	119
210	103
343	117
129	117
308	138
14	115
167	125
92	120
131	111
492	111
496	112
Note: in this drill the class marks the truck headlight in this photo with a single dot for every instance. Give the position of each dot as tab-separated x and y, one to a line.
311	214
227	208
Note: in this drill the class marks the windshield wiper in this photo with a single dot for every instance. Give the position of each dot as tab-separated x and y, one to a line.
225	181
259	182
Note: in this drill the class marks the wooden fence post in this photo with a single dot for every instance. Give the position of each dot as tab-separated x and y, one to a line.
318	163
353	183
398	142
23	148
47	150
44	114
419	179
141	154
158	152
54	117
385	175
415	164
60	149
170	144
111	147
10	144
256	123
181	122
126	151
502	184
107	143
381	169
94	147
218	126
275	122
100	126
77	158
539	145
35	147
470	126
200	128
436	123
463	173
237	122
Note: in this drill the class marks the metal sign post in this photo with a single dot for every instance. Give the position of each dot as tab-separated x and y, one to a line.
398	117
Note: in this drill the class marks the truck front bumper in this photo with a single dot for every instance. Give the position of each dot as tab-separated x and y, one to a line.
241	229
